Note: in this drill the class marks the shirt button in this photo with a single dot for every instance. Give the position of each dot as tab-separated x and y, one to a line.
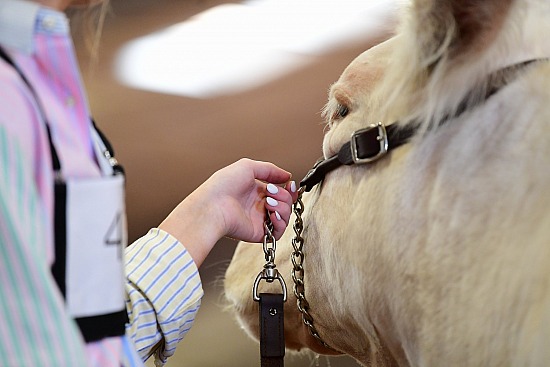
70	102
48	23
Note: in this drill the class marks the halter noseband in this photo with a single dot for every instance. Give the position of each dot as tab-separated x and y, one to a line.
365	146
372	143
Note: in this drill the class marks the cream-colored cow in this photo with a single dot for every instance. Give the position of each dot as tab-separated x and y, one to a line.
437	254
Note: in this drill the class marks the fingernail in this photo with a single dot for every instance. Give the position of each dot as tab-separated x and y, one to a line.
278	215
272	189
293	186
272	201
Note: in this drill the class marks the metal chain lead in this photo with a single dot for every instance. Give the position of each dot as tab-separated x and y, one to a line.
269	251
269	272
298	270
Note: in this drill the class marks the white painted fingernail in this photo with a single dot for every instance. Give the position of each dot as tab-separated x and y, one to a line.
272	189
278	215
272	201
292	186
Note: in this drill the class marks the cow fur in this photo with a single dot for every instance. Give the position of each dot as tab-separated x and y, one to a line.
438	254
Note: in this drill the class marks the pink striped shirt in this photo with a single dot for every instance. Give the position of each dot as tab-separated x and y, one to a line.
163	286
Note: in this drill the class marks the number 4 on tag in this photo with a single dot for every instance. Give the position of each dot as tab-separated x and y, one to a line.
113	237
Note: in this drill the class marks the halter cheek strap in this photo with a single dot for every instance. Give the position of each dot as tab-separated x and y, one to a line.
365	146
372	143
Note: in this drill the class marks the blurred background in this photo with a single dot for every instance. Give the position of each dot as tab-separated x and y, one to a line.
185	87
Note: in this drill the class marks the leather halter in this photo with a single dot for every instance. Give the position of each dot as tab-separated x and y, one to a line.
365	146
372	143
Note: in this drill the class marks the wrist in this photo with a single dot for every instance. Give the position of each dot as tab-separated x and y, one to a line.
196	224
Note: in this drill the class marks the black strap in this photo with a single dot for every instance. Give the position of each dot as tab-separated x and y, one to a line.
95	328
368	145
272	337
55	158
117	167
367	141
59	267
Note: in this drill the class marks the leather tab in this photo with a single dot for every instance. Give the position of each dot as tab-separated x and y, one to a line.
272	339
318	172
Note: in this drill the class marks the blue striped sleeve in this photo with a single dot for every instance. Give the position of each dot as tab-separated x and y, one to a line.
164	292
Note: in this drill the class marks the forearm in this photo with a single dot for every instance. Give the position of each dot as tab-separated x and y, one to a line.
194	223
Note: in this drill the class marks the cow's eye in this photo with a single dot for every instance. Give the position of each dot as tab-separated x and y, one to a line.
334	112
341	112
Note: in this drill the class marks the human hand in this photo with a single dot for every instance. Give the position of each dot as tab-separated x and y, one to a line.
241	195
233	202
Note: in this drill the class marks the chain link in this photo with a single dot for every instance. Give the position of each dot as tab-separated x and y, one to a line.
270	244
269	272
297	258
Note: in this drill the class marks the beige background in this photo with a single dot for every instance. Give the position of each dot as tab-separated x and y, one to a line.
170	144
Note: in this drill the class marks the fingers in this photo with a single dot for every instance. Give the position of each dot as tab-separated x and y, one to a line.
279	226
267	172
280	193
278	202
292	188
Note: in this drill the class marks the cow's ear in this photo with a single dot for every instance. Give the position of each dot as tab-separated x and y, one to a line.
477	22
459	26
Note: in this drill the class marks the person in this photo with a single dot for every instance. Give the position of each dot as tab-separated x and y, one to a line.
62	223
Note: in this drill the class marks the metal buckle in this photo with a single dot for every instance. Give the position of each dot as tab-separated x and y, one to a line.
382	138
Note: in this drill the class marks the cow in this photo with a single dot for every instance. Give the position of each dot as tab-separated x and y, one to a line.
435	252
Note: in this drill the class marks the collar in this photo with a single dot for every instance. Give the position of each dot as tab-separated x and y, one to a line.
370	144
365	146
20	20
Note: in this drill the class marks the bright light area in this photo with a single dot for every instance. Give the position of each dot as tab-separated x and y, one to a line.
236	47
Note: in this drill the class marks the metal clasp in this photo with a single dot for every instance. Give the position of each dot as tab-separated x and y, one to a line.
382	139
269	274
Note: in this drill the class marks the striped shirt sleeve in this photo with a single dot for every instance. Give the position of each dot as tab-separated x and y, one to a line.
164	292
31	307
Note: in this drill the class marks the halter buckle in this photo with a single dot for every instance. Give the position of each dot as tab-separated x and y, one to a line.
382	139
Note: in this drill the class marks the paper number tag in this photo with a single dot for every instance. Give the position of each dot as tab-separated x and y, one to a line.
96	237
